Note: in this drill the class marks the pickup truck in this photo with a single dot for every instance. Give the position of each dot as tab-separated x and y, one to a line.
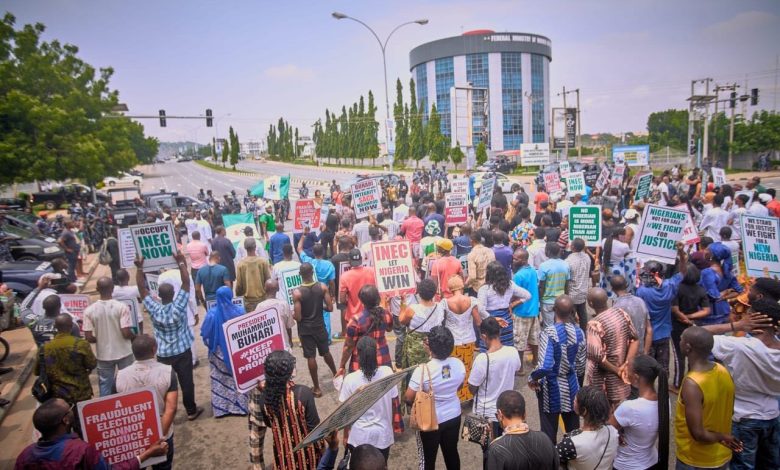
67	194
125	211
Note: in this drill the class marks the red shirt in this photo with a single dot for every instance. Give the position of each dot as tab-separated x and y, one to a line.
540	196
412	228
774	208
442	270
350	283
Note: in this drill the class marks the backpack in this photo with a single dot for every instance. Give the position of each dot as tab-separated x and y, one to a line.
105	257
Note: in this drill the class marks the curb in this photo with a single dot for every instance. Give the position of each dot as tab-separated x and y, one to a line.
92	270
16	388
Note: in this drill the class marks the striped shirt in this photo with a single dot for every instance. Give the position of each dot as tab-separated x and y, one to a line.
561	360
170	324
609	335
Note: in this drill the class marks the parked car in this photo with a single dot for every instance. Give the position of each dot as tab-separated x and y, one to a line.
12	203
135	172
183	158
67	194
500	164
123	178
21	219
27	246
501	180
124	209
22	276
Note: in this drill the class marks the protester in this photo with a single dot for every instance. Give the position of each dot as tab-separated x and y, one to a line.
373	321
496	297
689	306
593	446
276	243
554	281
526	315
198	253
614	253
67	360
43	328
282	307
477	262
445	267
210	278
226	250
324	271
351	283
637	312
126	293
420	318
251	274
580	280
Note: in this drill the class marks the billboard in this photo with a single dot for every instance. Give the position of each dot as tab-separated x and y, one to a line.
634	155
564	127
534	154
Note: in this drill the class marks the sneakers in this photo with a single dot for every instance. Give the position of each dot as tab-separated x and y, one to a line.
194	416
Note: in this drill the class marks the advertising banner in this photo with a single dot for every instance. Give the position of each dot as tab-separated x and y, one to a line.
75	304
306	215
690	232
456	208
718	177
585	223
394	267
564	127
250	339
486	193
603	179
564	168
126	248
122	425
156	243
643	183
575	184
366	198
760	245
617	176
552	183
534	154
289	281
662	228
634	155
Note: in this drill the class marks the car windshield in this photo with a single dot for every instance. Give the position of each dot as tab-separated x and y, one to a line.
18	231
23	216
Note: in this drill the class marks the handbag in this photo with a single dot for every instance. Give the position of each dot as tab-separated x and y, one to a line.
423	414
478	428
42	389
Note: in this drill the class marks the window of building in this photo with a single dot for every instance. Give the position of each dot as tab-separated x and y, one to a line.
537	93
421	82
512	99
477	76
445	79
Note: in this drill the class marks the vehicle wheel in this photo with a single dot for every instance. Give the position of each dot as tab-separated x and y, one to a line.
50	205
27	258
112	183
5	349
137	183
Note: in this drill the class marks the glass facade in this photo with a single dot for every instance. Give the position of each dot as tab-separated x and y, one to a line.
512	99
421	82
477	76
537	93
445	79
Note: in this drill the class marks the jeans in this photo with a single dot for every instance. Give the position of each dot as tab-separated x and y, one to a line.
168	464
760	441
182	365
685	466
72	259
446	437
659	351
106	371
548	315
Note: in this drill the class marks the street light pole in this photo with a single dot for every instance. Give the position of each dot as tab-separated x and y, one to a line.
383	47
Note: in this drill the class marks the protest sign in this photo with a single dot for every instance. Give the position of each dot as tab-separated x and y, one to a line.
690	233
456	208
237	301
603	178
135	312
761	245
400	213
534	154
75	304
662	228
719	177
486	193
126	248
156	243
459	186
634	155
306	215
564	168
289	281
643	183
617	176
394	267
354	407
250	339
575	183
366	198
552	182
122	425
154	284
585	223
704	179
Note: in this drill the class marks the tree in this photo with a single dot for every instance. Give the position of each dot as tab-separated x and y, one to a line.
235	147
401	129
456	155
56	118
668	128
760	134
225	153
416	137
372	128
482	155
435	141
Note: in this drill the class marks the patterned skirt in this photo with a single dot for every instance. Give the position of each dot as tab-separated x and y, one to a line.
507	334
625	268
225	399
465	352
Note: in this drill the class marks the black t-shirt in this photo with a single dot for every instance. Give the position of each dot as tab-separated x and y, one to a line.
332	223
337	261
529	451
499	200
555	216
691	298
311	309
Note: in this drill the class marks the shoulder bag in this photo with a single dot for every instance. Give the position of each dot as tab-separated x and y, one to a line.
478	428
105	257
41	388
423	414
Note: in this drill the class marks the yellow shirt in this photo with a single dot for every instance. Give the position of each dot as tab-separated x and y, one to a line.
717	387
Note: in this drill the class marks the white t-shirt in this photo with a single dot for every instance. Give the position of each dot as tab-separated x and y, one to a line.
285	315
129	293
589	447
639	419
619	249
758	209
462	325
205	231
418	322
447	377
375	427
106	318
503	365
663	188
173	277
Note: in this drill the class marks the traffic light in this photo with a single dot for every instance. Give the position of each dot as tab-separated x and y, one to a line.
209	119
162	118
733	99
754	97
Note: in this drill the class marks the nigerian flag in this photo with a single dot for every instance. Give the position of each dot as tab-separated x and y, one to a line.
273	187
235	224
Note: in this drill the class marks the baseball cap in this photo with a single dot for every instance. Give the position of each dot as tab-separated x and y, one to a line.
765	198
630	214
355	257
445	244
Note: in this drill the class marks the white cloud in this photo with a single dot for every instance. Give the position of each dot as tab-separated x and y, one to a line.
289	72
746	22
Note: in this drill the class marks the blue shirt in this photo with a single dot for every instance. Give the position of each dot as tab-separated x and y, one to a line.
554	272
526	278
323	268
434	225
170	324
504	256
462	245
277	241
659	305
212	278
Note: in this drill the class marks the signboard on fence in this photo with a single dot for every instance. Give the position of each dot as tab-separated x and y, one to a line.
289	281
354	407
718	177
603	179
643	183
456	209
126	248
634	155
486	193
585	223
250	339
564	168
690	232
75	304
366	198
237	301
575	184
394	267
122	425
617	176
662	228
307	214
534	154
460	186
156	243
761	245
552	182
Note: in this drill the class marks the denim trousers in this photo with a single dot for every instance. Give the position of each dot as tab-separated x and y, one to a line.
760	441
685	466
168	464
106	371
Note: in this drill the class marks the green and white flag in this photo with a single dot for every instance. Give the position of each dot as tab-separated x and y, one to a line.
273	187
235	225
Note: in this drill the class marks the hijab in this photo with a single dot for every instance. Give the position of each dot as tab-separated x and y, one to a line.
211	331
722	254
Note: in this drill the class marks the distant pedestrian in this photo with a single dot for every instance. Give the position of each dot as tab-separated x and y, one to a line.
68	361
226	251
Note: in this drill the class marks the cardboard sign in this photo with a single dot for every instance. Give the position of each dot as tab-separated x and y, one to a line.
400	213
719	177
634	155
306	215
585	223
123	425
459	186
75	304
704	179
486	193
126	248
354	407
552	182
289	281
690	232
238	301
156	243
575	184
603	179
135	312
761	245
534	154
564	168
154	284
394	267
643	186
618	174
662	228
366	198
456	209
250	339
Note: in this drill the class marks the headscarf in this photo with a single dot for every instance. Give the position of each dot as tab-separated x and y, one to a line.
722	254
211	331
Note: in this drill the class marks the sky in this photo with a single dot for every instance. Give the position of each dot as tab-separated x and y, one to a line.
255	61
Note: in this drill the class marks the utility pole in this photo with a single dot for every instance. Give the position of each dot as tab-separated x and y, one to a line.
705	146
565	133
579	128
777	70
691	121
